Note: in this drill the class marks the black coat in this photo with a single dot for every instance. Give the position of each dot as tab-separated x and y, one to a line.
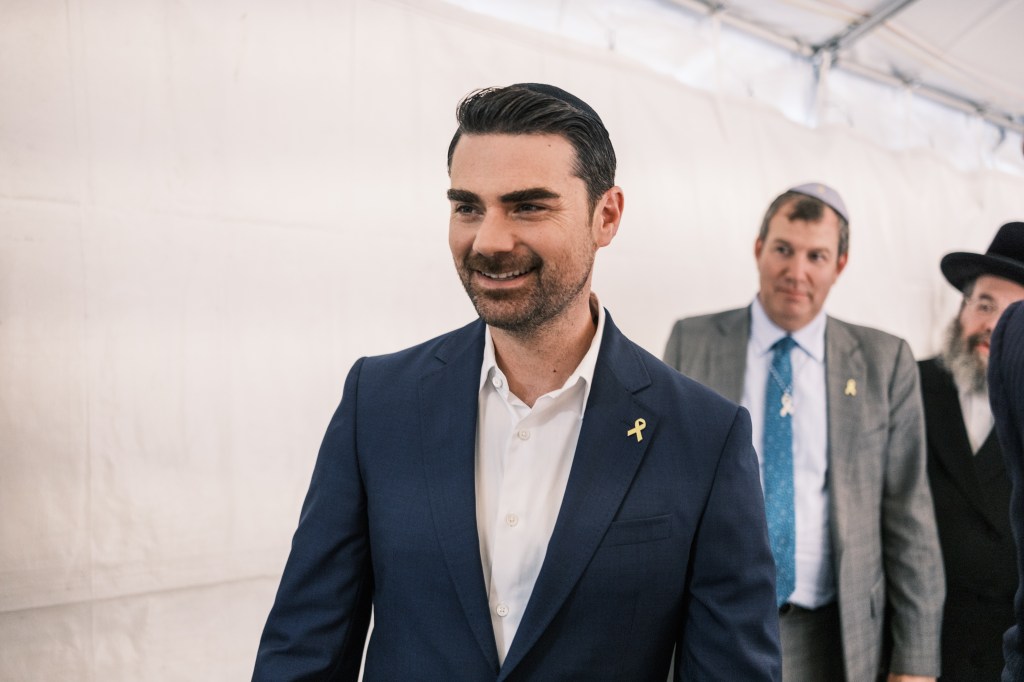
1006	383
972	500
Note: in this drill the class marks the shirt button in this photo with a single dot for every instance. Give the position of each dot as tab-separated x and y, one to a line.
501	610
524	435
512	520
497	382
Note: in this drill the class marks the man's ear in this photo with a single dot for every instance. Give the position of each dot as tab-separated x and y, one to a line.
607	215
758	247
841	263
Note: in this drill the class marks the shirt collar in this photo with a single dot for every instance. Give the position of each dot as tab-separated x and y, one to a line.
584	371
764	333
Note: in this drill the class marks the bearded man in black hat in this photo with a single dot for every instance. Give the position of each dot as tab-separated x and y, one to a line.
970	487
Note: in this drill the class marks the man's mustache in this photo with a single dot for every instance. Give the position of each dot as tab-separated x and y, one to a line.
505	262
975	340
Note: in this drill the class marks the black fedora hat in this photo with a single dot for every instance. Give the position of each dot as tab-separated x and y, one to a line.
1004	258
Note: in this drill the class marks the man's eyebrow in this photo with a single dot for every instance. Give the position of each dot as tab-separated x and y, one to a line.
531	194
463	195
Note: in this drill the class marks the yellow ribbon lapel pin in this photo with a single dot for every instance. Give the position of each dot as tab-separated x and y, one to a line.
638	426
851	387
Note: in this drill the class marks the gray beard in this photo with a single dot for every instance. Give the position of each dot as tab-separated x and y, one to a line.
959	357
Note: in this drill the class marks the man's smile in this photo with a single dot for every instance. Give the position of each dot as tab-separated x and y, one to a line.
502	276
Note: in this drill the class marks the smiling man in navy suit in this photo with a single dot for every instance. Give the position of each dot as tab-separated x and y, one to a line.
533	496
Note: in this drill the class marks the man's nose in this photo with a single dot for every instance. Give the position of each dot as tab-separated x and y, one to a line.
796	269
493	235
978	326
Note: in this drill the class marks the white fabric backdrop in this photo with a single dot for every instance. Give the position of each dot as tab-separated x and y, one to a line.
208	211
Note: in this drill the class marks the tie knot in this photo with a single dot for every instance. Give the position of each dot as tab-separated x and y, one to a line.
783	345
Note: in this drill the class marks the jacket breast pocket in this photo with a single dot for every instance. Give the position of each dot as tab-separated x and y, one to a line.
636	531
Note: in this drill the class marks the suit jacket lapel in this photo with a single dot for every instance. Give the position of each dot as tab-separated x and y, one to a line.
604	465
988	462
844	361
728	373
448	410
990	470
947	435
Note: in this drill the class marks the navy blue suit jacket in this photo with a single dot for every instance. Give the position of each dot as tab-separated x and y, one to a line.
659	542
1006	392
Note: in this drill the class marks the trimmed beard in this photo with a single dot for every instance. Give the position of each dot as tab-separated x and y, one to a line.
960	356
523	313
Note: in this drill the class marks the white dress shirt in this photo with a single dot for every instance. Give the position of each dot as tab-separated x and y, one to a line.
977	413
815	575
523	459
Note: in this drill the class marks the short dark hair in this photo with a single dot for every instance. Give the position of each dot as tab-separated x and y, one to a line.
807	208
523	110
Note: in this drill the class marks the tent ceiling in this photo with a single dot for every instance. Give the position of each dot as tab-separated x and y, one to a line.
968	55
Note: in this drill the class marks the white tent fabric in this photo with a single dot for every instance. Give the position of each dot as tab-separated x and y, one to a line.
208	211
907	74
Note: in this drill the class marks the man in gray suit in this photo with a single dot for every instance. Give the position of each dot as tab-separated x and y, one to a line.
839	431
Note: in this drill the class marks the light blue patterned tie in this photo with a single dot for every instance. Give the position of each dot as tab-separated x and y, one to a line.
778	468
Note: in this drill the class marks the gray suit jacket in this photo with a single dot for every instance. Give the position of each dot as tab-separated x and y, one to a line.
887	558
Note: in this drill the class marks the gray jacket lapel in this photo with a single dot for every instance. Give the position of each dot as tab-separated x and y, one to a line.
728	356
844	372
